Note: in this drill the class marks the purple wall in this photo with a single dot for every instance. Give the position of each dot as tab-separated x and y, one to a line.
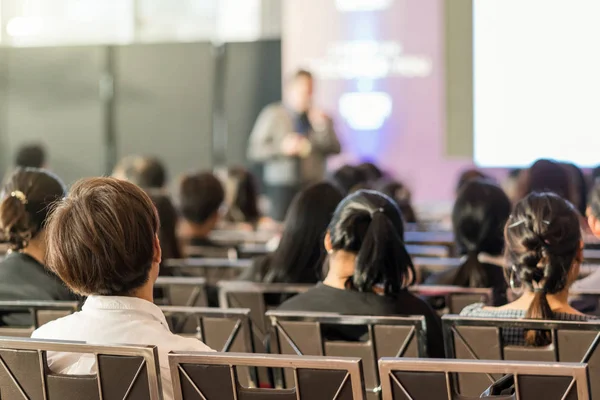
404	71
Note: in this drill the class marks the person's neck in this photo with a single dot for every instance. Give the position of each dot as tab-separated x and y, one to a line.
191	230
557	301
36	250
340	265
146	292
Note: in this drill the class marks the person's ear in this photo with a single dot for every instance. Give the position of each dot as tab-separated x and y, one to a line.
157	256
327	243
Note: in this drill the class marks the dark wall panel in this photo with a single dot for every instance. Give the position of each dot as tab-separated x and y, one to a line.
4	155
53	97
163	103
253	80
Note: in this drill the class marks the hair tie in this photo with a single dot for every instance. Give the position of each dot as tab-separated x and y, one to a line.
540	290
20	196
377	211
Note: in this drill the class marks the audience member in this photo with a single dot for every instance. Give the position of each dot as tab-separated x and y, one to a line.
201	197
402	196
26	199
511	184
478	219
146	172
242	198
169	220
369	268
31	156
468	176
347	178
300	254
579	184
113	258
544	247
545	176
370	171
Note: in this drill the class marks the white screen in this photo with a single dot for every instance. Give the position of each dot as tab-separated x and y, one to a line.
537	81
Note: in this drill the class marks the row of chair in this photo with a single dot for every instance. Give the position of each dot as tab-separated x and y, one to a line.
309	334
132	372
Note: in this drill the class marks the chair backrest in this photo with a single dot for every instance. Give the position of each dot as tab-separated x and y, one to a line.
223	330
416	379
484	339
213	376
123	372
423	250
34	314
239	236
445	238
306	333
211	269
228	252
456	297
182	291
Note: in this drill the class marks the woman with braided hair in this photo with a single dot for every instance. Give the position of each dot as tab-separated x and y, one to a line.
544	248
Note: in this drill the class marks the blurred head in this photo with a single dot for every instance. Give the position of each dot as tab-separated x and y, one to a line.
241	196
544	246
546	176
468	176
300	254
201	196
146	172
300	91
347	178
102	238
26	200
478	217
370	171
579	187
169	219
368	226
593	209
31	156
402	196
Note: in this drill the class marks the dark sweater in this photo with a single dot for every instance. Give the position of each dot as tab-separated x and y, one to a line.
324	298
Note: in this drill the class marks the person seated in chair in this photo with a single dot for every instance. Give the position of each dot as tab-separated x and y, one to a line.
103	243
369	268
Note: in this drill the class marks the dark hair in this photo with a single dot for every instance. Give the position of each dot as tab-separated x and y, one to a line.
301	252
370	225
167	233
31	156
242	195
146	172
579	187
468	176
543	239
26	199
402	196
596	173
201	195
370	171
594	199
348	177
546	176
478	218
101	237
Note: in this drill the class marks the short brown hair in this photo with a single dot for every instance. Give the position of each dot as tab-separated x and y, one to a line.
101	237
201	195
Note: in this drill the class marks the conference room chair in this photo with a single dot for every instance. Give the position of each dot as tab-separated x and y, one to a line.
181	291
223	330
455	298
212	270
483	339
227	252
214	376
236	237
123	372
326	334
21	318
416	379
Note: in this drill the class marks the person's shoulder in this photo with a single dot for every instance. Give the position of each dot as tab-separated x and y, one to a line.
57	329
274	109
304	301
472	310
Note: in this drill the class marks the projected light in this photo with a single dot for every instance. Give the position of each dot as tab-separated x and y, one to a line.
362	5
365	111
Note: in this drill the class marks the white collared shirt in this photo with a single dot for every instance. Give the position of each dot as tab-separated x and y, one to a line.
115	320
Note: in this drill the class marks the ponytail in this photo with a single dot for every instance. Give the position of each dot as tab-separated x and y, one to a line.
471	273
539	309
15	224
382	259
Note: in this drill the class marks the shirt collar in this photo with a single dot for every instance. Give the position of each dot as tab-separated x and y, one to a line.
125	303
